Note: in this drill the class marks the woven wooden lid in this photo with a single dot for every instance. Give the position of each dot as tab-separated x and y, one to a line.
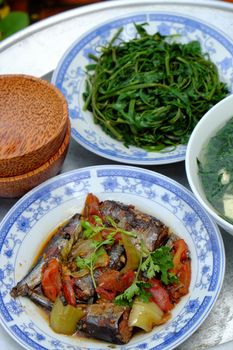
33	123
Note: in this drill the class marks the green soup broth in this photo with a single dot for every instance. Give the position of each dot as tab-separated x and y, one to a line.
216	170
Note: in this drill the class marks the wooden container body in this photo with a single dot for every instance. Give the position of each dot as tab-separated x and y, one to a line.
16	186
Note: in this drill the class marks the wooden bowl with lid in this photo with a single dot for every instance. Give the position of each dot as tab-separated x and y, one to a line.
34	133
33	123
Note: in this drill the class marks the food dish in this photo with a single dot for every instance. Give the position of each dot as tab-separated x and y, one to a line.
69	76
107	271
37	213
205	129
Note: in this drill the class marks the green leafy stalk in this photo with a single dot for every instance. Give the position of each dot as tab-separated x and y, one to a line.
152	90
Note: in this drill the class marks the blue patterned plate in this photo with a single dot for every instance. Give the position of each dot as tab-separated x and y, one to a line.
30	221
70	78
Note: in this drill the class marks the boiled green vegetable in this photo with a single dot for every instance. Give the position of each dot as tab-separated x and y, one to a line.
151	91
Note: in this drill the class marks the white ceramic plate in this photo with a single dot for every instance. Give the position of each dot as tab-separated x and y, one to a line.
30	221
70	78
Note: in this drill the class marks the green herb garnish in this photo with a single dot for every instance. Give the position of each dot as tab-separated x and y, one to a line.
137	288
160	261
151	91
89	261
90	230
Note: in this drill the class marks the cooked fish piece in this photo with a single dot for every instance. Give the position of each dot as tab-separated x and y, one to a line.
39	299
108	322
84	288
52	249
117	258
153	232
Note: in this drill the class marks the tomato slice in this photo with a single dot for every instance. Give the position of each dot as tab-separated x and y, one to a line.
105	294
159	295
181	253
182	269
91	206
184	275
113	280
127	279
68	290
51	279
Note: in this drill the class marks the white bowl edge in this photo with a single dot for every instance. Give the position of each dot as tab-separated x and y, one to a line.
204	130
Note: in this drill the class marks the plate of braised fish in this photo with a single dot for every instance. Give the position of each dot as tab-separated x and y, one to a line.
137	85
108	256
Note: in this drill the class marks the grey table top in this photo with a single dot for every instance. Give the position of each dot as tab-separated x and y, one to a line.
38	53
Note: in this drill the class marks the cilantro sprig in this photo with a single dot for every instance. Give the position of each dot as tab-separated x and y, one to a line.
159	261
137	288
89	261
90	230
151	263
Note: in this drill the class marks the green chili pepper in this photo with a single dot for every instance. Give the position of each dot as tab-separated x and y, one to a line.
64	318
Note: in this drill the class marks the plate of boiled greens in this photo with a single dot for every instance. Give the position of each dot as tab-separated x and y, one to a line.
136	86
108	257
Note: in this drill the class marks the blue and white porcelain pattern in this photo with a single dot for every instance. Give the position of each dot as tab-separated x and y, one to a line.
29	222
70	78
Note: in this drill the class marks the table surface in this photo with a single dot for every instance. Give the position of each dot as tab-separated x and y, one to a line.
37	50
